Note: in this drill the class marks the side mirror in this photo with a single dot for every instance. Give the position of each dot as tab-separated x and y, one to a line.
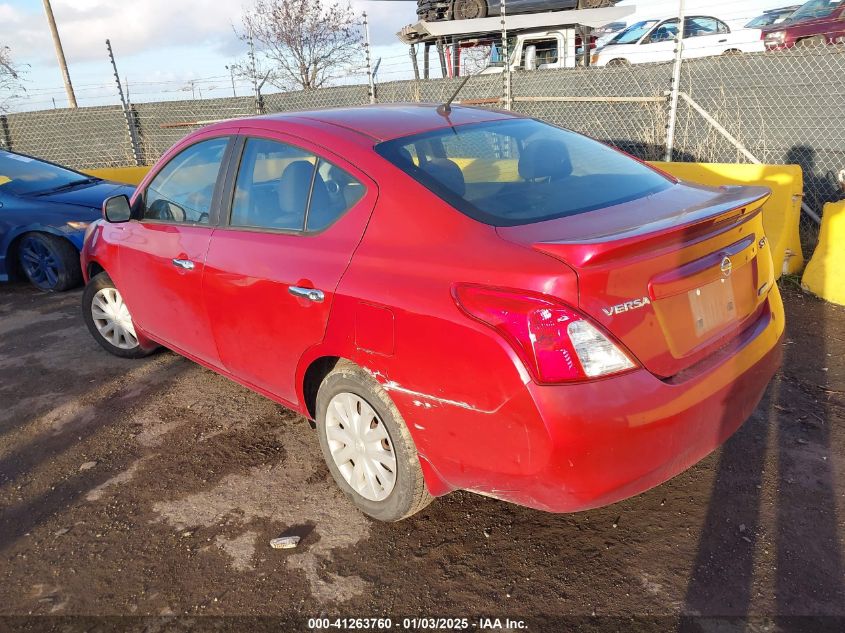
117	209
530	57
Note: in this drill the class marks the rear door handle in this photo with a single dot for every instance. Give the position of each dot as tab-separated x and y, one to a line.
185	264
312	294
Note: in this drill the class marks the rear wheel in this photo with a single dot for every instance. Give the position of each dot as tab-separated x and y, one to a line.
108	319
51	263
469	9
367	446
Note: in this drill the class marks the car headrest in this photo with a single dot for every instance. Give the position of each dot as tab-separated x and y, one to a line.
405	155
447	173
545	158
294	185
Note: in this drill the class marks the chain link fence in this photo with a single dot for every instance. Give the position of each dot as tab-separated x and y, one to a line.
782	108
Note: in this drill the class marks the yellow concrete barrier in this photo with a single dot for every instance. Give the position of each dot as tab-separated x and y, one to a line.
825	274
782	213
127	175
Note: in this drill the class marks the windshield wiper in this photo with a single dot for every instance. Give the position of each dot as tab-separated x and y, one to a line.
68	185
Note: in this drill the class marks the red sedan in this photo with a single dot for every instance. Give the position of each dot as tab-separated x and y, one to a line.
460	299
815	23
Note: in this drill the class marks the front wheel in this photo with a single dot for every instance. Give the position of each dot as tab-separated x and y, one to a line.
108	319
51	263
367	446
812	42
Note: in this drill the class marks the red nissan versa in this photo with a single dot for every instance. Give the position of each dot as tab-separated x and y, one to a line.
460	299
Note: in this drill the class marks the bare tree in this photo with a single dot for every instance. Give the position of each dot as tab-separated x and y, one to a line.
306	43
10	78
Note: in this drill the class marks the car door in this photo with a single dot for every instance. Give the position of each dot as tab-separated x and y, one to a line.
296	215
659	45
162	252
704	36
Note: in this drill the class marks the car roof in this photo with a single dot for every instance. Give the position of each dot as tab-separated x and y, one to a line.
389	121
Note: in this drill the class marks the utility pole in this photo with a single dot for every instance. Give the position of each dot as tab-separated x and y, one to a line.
231	70
259	102
506	71
127	112
413	53
60	54
675	93
370	81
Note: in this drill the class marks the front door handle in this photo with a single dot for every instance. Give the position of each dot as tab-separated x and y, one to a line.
312	294
185	264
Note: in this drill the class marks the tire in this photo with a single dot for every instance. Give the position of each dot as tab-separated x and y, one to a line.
812	42
51	263
102	298
346	391
732	52
469	9
617	63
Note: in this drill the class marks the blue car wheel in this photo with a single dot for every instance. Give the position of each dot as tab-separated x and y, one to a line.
49	262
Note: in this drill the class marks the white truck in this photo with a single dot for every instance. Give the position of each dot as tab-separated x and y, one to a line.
536	50
536	40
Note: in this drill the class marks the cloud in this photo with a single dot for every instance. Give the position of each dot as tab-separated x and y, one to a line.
133	27
386	18
140	26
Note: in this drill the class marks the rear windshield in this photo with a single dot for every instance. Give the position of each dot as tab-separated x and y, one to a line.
521	171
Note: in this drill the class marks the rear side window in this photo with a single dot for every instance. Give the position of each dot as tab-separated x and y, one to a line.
700	26
283	187
521	171
184	188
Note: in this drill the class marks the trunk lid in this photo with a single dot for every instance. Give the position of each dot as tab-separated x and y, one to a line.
674	276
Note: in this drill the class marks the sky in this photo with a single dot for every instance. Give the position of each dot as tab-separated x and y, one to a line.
160	47
179	49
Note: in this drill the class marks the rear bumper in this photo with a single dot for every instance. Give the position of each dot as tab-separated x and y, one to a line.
588	445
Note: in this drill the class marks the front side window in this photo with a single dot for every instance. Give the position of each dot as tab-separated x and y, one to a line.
634	33
283	187
521	171
184	188
666	32
546	51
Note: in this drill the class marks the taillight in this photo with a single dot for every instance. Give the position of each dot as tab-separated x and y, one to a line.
556	342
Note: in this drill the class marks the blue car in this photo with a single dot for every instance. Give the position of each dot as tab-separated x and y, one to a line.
44	212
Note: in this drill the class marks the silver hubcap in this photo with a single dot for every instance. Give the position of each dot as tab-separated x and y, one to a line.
360	446
112	318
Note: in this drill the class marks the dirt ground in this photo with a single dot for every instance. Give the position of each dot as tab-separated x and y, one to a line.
153	488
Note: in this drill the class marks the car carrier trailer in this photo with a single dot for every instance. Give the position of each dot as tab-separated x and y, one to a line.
560	26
